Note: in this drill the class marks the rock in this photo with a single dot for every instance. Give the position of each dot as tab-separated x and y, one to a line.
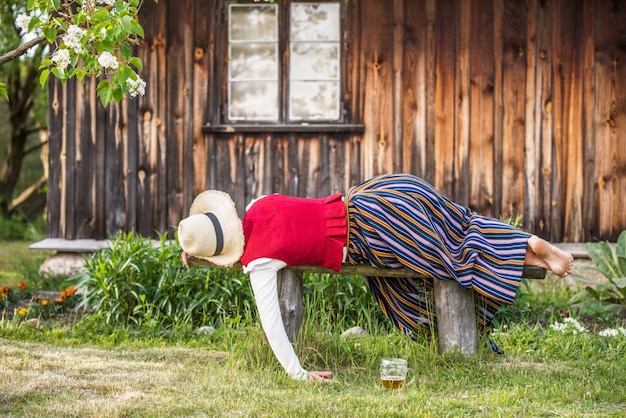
32	323
206	330
353	332
63	264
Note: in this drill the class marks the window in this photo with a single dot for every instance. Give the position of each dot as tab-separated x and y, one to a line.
308	86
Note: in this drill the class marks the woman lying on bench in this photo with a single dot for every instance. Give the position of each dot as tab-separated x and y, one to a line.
389	221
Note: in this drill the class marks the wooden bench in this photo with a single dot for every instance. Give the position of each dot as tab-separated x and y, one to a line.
454	304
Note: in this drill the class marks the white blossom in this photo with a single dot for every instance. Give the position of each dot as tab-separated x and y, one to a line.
569	325
136	87
61	58
612	332
92	3
23	21
108	60
73	37
609	332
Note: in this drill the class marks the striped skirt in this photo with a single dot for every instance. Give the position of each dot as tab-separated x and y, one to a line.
401	221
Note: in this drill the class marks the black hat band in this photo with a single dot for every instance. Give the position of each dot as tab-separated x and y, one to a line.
219	235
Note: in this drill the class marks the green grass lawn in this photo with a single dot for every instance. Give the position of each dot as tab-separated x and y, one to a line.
16	260
201	378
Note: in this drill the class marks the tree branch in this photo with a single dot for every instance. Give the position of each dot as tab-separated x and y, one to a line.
21	50
35	147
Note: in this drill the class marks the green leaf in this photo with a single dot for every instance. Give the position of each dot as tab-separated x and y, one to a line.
50	32
615	308
118	94
43	77
602	255
620	282
45	63
104	92
620	250
136	62
56	4
126	23
585	279
99	14
59	73
34	22
126	51
3	92
105	45
124	73
60	23
118	34
136	28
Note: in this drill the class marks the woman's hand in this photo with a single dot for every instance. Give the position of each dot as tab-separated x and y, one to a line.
323	377
185	262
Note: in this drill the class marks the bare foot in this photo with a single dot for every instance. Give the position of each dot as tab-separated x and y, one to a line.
558	261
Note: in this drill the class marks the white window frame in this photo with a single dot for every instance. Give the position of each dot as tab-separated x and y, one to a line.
285	78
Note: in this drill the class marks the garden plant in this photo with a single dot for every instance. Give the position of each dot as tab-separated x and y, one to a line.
609	291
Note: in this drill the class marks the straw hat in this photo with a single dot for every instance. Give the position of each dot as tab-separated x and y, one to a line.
213	230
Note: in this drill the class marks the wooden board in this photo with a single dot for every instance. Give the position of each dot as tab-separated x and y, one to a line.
529	272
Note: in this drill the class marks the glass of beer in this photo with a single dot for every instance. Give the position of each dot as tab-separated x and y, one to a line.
393	373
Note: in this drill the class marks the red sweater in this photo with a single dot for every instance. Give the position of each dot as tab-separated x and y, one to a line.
296	230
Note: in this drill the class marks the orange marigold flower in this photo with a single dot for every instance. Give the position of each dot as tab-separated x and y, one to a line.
58	301
22	286
22	311
4	289
36	298
44	302
69	292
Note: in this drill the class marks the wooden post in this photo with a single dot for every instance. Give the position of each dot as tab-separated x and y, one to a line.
456	320
291	301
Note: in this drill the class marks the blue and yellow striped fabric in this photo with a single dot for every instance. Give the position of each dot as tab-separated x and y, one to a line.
402	221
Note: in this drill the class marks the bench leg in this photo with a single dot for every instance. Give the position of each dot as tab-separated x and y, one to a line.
291	301
456	323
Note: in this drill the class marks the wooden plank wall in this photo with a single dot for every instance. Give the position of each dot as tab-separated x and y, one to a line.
604	111
510	107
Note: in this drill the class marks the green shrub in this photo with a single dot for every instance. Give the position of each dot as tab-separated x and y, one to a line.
18	228
136	282
611	264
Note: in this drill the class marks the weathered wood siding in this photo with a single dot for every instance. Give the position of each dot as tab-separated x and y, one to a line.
510	107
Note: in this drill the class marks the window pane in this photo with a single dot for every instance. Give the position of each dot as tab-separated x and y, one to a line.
253	61
314	66
253	23
253	64
253	100
314	61
314	100
315	22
